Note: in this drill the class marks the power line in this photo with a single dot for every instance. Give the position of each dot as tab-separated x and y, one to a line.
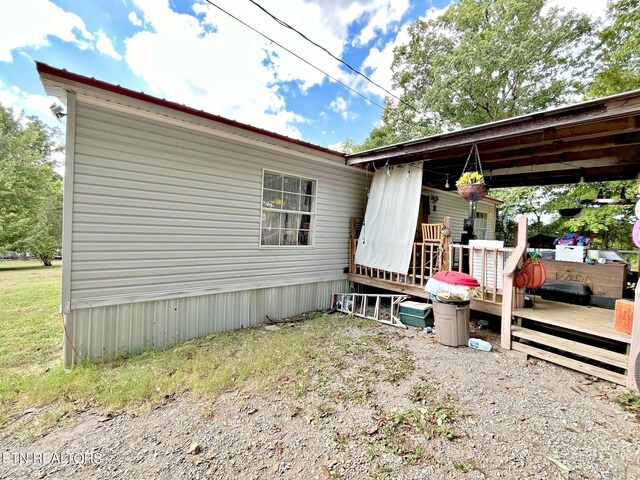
296	55
335	57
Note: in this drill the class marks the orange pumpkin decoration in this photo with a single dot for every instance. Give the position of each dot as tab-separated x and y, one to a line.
533	273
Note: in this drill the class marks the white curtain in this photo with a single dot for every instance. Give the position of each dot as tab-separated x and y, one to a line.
386	239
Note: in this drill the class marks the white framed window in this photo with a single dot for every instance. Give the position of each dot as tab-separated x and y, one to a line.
288	210
480	225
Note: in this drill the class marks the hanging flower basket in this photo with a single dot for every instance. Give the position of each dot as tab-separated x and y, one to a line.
473	191
471	184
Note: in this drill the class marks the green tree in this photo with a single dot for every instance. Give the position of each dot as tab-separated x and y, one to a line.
481	61
530	201
619	56
30	190
609	224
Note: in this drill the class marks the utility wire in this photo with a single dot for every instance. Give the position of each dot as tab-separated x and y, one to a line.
335	57
296	55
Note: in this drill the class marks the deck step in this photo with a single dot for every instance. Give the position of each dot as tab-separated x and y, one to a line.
570	363
600	354
590	320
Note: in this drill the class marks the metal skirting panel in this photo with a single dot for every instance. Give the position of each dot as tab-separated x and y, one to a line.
103	333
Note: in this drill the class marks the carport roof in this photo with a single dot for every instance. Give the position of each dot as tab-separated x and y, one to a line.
595	140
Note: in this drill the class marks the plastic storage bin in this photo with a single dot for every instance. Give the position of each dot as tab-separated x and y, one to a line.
452	323
415	314
571	253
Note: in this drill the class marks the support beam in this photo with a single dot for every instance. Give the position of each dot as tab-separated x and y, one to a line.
507	282
634	348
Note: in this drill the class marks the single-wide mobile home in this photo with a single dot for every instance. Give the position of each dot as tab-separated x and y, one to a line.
179	223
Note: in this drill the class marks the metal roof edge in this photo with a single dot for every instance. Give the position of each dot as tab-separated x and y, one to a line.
44	69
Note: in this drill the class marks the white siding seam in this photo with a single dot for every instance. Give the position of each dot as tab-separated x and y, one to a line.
68	199
204	126
155	296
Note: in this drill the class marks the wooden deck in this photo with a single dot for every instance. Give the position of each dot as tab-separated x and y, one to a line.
591	322
588	322
400	287
486	306
574	336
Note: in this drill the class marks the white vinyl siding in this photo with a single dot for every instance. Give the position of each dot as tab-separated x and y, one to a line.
162	210
450	204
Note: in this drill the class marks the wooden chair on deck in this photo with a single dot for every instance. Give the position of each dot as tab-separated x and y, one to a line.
432	240
431	232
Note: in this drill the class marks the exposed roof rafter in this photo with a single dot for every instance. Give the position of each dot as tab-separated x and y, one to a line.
598	139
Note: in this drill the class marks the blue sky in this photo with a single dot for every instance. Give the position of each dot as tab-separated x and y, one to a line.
190	52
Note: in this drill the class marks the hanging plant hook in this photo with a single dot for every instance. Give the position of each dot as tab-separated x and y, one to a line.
471	185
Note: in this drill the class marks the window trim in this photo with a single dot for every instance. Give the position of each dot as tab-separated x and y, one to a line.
313	213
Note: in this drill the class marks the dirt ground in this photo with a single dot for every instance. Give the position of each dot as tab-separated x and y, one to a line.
453	413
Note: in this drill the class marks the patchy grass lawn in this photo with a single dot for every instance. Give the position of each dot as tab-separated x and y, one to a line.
30	322
299	356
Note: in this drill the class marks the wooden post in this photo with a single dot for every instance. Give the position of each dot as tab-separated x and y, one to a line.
634	348
445	260
507	283
352	244
483	270
415	259
422	258
495	274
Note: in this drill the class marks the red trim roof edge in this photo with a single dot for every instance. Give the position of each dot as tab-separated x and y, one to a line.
43	68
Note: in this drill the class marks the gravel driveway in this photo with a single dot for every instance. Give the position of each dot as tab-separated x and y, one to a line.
457	413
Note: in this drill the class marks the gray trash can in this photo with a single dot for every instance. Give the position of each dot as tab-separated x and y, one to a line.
451	323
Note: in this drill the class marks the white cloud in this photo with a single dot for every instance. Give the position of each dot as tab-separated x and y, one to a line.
384	14
338	146
28	23
338	105
341	106
215	63
135	21
593	8
379	61
19	100
105	45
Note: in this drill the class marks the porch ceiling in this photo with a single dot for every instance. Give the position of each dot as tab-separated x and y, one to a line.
597	140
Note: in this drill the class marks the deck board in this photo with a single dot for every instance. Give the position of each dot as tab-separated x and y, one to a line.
485	306
408	289
571	363
590	320
603	355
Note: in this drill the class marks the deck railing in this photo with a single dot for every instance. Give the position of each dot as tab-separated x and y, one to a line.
426	260
510	268
486	264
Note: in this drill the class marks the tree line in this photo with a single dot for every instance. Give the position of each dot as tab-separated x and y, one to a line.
30	188
487	60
